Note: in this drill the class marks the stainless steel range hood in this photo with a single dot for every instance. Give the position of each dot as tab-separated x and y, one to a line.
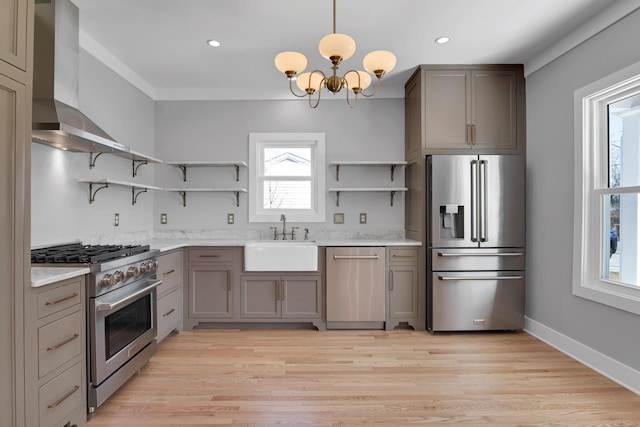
57	121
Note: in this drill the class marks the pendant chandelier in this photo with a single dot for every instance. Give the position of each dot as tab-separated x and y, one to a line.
335	47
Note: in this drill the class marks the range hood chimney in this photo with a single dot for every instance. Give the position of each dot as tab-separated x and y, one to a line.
57	121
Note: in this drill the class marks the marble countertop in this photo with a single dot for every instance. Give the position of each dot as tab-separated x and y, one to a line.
41	276
165	245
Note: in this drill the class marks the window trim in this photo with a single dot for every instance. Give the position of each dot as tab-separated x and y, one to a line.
257	142
590	183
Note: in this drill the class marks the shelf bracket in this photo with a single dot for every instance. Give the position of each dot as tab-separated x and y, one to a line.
134	195
183	168
393	193
92	194
337	172
93	158
337	198
393	168
183	194
140	163
237	168
237	193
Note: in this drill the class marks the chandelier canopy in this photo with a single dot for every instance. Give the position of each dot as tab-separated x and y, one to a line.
335	47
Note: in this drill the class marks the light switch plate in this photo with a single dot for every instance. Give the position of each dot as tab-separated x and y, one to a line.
163	218
116	219
363	218
230	218
338	218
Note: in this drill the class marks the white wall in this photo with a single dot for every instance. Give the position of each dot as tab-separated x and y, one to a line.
60	209
219	130
550	184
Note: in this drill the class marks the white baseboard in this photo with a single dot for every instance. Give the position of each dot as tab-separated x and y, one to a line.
622	374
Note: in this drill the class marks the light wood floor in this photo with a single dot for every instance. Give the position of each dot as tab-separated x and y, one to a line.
343	378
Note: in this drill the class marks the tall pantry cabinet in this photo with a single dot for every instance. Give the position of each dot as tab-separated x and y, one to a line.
457	109
16	70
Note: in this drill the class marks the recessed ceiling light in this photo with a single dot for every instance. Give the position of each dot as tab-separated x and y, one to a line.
442	40
214	43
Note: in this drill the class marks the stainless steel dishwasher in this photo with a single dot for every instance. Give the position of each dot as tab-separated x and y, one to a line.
355	287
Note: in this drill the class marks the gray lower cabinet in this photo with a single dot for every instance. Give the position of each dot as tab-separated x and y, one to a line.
281	297
55	344
404	296
170	292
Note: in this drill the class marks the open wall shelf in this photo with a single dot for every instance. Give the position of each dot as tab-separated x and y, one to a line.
137	159
183	165
183	192
136	189
389	163
391	191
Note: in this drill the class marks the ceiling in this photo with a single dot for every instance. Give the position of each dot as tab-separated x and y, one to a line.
160	45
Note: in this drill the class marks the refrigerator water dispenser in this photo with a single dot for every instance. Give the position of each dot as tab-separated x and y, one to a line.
452	221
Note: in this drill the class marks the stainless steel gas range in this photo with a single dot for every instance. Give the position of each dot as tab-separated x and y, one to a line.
121	310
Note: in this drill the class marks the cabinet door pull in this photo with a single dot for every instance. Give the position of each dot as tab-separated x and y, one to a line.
391	282
169	312
473	134
63	398
169	272
467	135
277	290
72	296
228	280
67	341
284	283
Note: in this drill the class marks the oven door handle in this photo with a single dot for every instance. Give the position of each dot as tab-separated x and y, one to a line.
128	298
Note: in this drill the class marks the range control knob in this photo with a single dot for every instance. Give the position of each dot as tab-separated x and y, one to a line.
108	280
119	276
153	265
133	272
144	267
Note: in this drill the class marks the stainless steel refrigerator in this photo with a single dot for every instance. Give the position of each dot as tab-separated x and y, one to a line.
475	235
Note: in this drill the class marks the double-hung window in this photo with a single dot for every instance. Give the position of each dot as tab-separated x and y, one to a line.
607	190
286	175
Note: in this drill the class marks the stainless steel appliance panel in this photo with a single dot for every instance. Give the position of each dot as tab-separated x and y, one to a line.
476	201
467	301
355	284
463	259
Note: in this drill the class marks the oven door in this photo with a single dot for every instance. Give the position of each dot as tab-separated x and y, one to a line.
122	323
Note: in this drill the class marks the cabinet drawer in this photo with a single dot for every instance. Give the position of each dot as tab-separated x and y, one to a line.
60	298
59	342
60	396
169	271
403	255
210	255
169	312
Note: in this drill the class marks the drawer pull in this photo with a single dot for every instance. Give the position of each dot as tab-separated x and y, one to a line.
169	272
402	256
63	398
210	256
356	257
169	312
72	296
67	341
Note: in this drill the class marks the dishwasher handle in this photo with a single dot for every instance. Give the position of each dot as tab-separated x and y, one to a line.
356	257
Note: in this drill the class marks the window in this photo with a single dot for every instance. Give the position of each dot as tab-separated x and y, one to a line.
286	174
607	190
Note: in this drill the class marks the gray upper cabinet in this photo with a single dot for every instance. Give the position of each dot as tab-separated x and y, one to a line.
464	109
14	32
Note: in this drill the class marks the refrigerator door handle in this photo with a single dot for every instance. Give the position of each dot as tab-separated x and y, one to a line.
474	200
449	254
483	208
480	277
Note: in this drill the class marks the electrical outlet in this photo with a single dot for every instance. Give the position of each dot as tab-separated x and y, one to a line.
116	219
338	218
230	218
363	218
163	218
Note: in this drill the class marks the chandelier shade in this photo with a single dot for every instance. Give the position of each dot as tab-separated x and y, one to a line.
335	47
290	62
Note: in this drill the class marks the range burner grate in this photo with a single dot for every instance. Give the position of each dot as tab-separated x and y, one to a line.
77	253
